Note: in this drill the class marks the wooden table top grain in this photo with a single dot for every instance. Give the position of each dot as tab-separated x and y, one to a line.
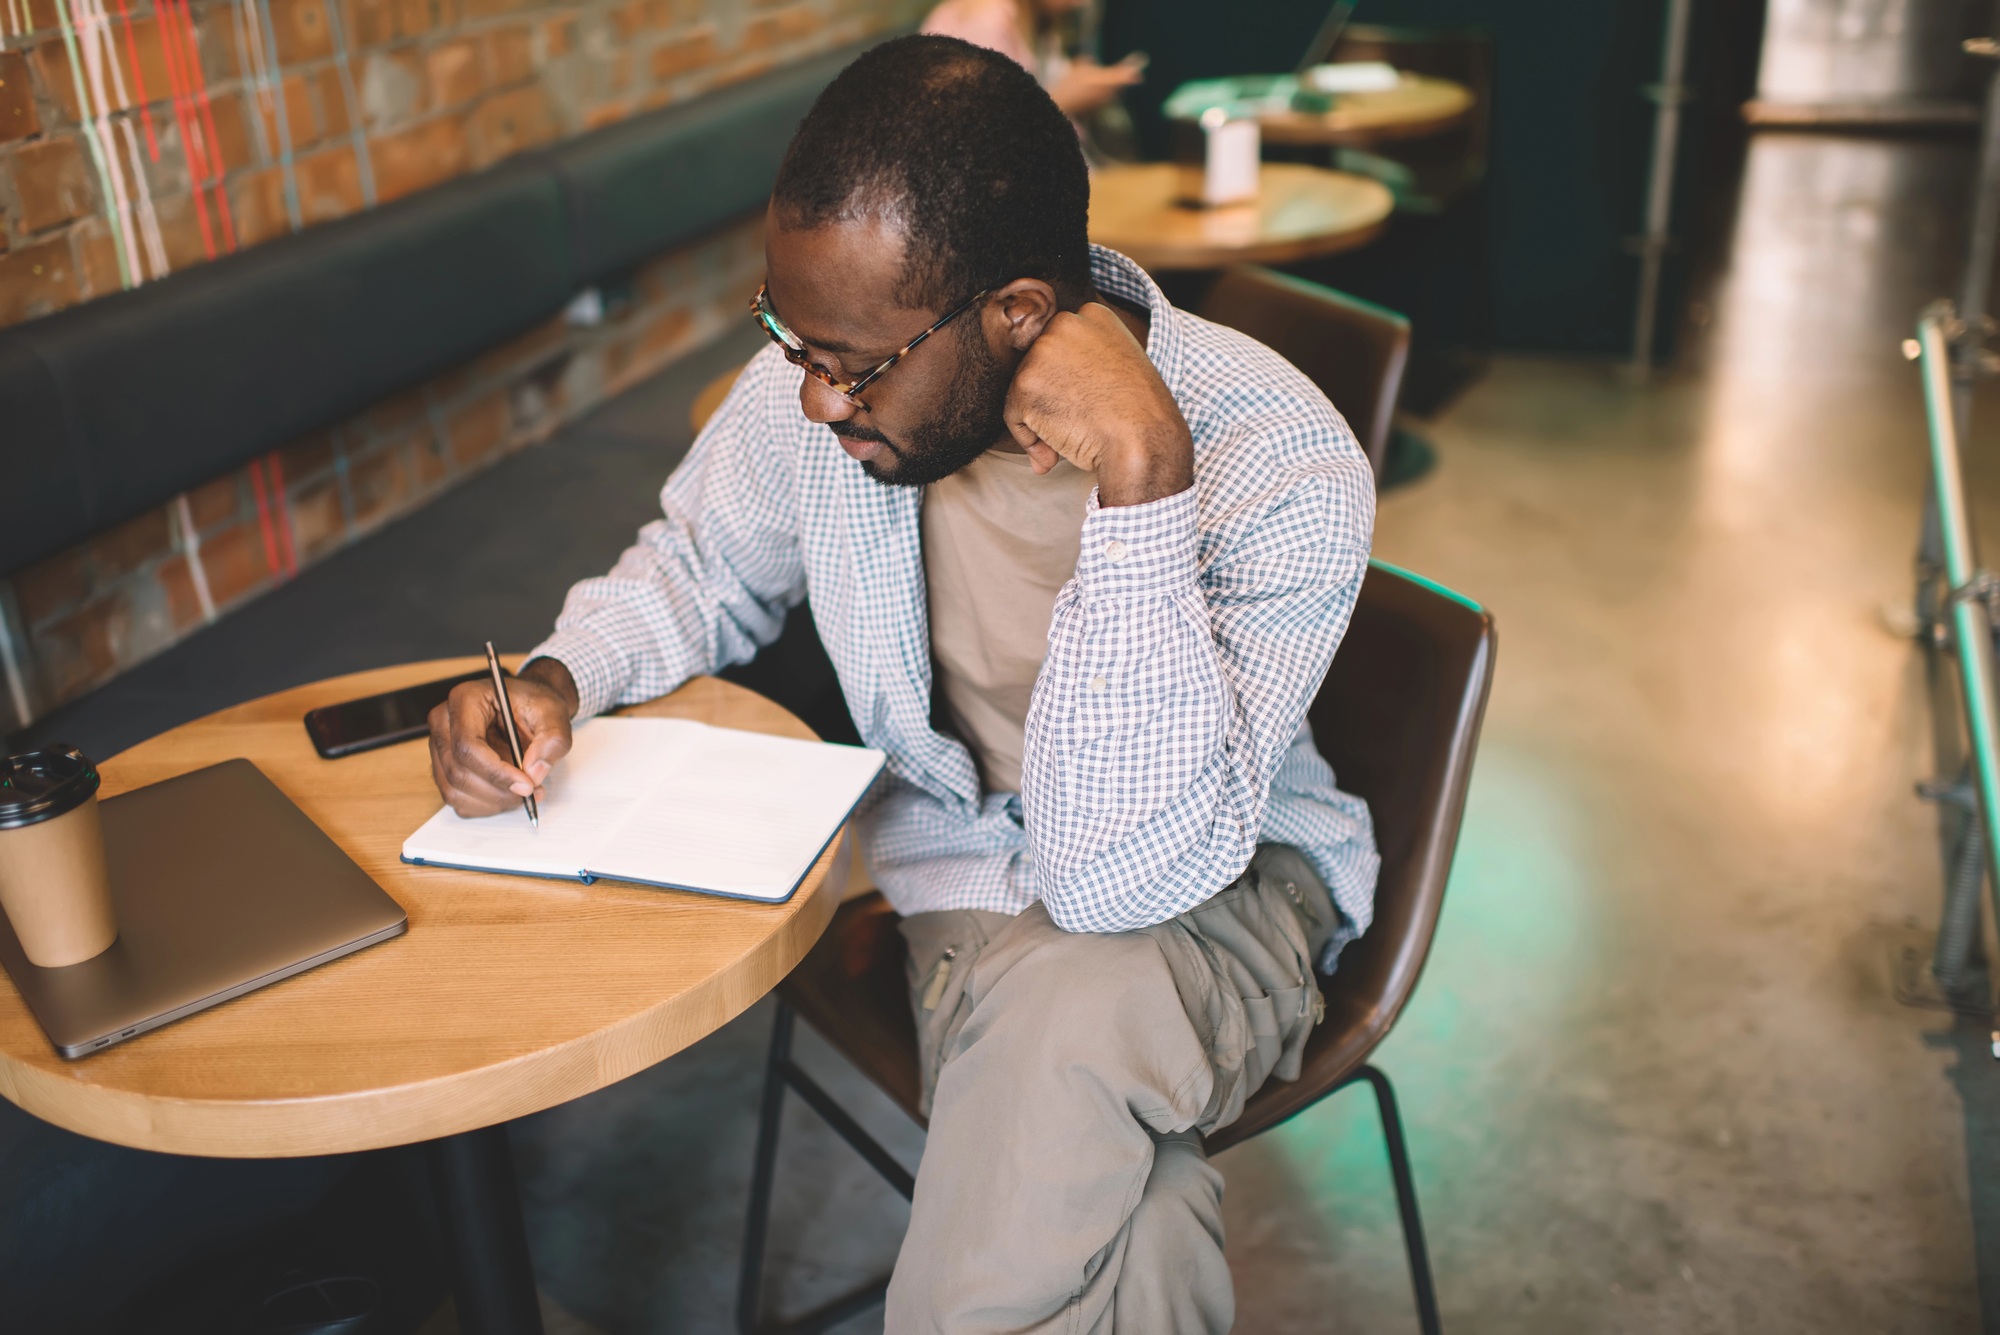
1301	211
509	994
1416	106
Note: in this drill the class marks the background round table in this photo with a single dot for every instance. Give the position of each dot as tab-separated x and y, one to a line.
1417	106
1301	211
508	994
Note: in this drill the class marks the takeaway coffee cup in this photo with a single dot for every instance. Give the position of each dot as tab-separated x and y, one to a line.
1218	159
53	885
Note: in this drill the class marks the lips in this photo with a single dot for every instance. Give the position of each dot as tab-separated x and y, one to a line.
865	449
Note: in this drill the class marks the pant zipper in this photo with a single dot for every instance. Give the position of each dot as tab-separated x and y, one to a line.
941	975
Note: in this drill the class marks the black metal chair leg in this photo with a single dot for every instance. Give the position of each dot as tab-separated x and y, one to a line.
1406	1197
780	1072
750	1283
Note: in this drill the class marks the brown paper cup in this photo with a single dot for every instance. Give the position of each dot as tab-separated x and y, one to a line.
54	889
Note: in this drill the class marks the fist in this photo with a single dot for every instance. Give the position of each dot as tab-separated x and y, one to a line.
1087	392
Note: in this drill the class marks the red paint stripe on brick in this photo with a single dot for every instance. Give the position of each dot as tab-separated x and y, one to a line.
200	81
284	514
139	81
264	520
170	52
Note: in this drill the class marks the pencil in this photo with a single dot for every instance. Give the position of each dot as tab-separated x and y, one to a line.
513	738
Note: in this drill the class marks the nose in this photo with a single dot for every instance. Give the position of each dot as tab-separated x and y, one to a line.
821	404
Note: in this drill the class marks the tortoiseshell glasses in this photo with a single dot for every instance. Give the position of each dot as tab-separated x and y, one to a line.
795	349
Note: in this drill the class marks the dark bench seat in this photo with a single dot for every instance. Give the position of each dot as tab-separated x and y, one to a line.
109	408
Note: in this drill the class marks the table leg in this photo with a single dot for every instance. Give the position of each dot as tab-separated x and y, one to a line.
492	1280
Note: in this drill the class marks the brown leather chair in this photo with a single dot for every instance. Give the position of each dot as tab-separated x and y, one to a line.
1398	718
1352	349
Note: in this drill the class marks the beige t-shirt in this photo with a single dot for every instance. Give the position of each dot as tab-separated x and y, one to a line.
999	544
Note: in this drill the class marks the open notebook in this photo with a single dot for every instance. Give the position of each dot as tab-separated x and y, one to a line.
669	802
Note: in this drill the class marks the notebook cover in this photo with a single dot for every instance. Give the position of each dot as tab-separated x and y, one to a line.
588	877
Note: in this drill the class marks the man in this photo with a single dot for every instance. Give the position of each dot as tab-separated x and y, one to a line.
1119	545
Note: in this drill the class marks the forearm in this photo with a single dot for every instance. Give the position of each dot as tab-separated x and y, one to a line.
1167	701
1124	774
632	634
1148	817
704	585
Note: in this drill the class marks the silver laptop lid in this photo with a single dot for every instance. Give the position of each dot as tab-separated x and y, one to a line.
221	886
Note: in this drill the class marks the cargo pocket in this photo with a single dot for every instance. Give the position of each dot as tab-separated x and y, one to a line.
1255	936
942	949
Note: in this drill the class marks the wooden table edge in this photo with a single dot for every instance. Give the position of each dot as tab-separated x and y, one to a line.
1172	259
399	1114
1153	256
1307	128
468	1100
1292	134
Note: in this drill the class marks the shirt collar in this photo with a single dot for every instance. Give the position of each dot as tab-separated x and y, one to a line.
1121	277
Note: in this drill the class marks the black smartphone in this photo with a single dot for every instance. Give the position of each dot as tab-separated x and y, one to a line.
380	720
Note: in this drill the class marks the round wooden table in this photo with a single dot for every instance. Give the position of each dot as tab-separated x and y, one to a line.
1416	106
1301	211
507	995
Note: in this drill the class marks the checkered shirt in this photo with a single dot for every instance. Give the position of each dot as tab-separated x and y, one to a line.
1167	734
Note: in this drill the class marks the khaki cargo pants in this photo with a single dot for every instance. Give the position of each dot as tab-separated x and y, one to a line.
1069	1078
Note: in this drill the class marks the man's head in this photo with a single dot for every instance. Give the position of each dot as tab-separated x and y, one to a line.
929	171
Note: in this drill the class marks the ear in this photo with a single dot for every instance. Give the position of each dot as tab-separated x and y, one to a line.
1017	313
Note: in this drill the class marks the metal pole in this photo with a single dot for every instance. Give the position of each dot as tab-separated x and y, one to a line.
1979	246
763	1168
1973	285
1668	94
1972	626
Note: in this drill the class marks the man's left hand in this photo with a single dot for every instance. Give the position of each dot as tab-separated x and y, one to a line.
1087	392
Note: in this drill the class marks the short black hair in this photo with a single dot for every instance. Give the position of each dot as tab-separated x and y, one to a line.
960	147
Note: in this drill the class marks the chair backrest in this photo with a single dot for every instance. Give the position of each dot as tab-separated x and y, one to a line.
1352	349
1453	158
1398	719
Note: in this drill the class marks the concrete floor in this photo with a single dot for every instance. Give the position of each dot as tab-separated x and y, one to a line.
1654	1078
1658	1077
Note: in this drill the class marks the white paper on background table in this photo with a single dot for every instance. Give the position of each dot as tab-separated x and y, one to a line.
1358	76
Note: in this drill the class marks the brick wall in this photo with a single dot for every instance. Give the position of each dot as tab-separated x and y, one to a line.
104	186
138	137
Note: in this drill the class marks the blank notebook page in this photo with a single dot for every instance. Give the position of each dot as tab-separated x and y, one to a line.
669	802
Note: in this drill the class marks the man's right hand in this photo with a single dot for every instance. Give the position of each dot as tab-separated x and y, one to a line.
470	759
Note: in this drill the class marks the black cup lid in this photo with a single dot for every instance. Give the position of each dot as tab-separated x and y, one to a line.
42	785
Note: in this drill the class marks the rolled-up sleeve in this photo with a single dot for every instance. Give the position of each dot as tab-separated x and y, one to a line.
1180	666
711	580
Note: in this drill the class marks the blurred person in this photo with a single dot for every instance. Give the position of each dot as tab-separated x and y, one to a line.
1080	560
1029	33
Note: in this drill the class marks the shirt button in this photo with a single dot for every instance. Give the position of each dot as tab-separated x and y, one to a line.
1116	551
1097	685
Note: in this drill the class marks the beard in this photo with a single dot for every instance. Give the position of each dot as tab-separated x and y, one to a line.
972	421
